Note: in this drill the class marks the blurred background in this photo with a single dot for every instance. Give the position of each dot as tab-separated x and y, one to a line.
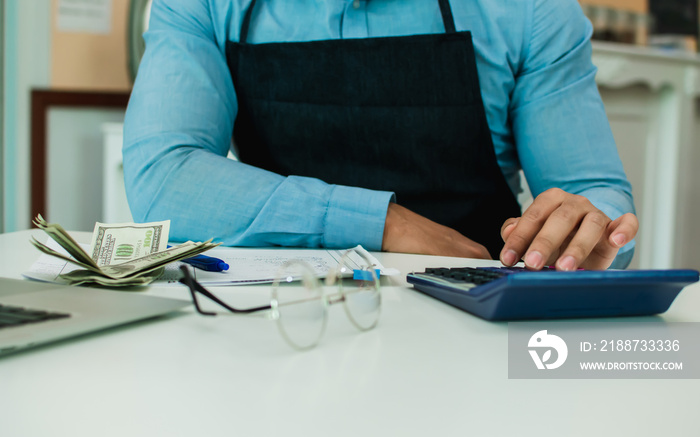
667	24
67	68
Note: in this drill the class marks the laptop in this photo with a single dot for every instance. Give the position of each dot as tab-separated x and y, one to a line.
34	313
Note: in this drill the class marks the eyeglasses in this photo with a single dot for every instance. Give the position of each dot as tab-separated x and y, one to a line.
299	303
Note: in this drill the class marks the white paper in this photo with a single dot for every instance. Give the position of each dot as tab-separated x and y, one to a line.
246	265
48	268
85	16
260	266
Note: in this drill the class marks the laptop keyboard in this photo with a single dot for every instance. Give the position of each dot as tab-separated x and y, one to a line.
17	316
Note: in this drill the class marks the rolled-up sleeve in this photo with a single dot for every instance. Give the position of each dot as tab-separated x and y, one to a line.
178	132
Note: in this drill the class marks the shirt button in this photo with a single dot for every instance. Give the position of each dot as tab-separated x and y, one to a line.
356	4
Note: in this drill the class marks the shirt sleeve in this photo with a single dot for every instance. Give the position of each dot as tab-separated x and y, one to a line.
562	133
177	134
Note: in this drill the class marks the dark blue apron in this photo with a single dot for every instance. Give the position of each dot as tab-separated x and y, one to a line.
401	114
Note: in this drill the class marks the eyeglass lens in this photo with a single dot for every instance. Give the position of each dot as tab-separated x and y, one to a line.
300	310
362	298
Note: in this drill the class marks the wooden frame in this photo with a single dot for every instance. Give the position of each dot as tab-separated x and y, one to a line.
43	100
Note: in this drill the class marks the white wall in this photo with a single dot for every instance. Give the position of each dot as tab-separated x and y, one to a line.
2	112
688	255
26	67
74	140
628	110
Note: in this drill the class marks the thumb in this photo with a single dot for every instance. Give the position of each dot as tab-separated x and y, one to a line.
622	230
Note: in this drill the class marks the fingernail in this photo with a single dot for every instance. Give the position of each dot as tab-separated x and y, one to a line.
509	258
619	239
568	263
534	260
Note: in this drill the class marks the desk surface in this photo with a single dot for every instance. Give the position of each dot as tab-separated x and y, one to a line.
427	369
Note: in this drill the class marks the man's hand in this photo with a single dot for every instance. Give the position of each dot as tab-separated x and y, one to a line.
408	232
567	231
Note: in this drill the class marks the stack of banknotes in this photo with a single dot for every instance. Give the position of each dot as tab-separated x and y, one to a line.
120	255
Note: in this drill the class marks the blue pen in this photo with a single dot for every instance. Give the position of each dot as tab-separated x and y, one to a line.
206	263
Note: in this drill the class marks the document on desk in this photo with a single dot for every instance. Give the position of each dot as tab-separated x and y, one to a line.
247	265
260	266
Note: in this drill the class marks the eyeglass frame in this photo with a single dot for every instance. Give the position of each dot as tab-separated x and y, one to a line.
194	286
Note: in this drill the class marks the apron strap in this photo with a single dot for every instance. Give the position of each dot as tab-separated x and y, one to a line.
246	23
445	9
447	18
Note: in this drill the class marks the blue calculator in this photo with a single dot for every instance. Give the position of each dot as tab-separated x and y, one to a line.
514	293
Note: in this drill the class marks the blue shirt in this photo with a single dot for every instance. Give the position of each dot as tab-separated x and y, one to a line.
537	82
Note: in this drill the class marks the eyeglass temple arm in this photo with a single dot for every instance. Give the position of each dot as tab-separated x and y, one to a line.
188	281
193	285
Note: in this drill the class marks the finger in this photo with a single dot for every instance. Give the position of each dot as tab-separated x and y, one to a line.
508	227
508	257
556	254
530	224
623	230
618	233
560	224
592	231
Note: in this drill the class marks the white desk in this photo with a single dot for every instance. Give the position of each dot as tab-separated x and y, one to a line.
427	370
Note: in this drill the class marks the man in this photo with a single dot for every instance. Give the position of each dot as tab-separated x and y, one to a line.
397	124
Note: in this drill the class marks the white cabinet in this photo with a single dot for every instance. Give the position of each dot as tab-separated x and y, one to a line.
651	100
115	208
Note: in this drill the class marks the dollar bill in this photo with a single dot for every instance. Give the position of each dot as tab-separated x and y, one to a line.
56	232
155	260
49	251
121	242
116	244
86	277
